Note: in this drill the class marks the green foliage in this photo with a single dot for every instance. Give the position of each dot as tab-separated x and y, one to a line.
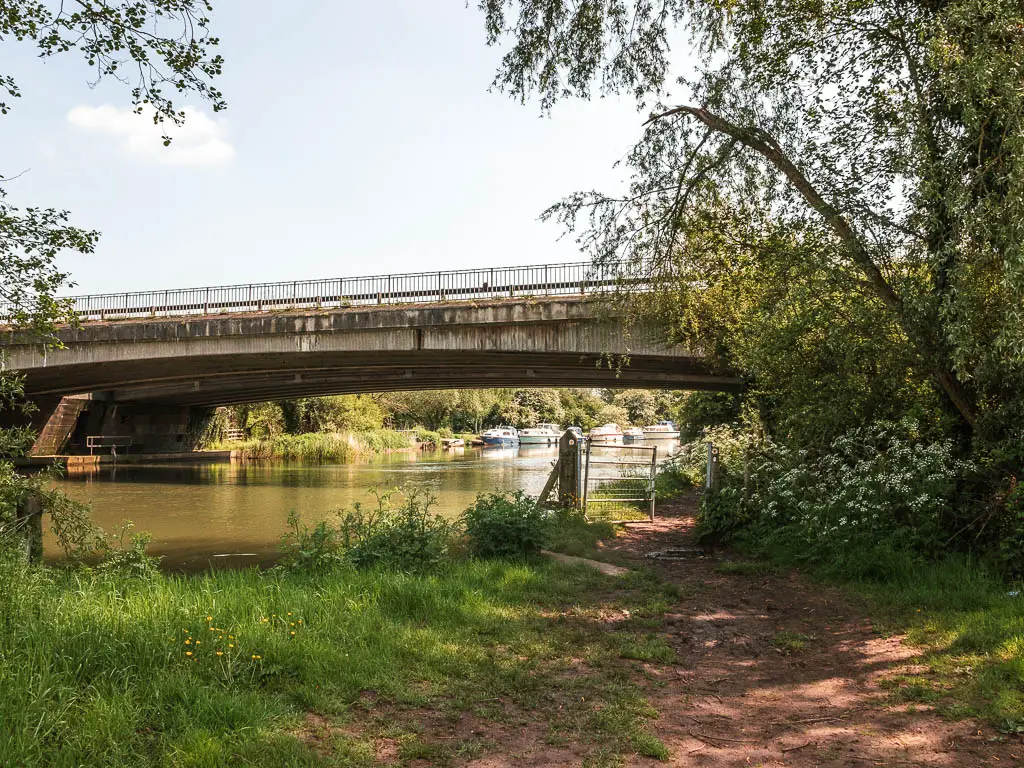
879	495
98	661
339	413
125	551
505	525
434	414
405	537
1010	537
833	212
700	410
262	421
647	406
317	447
571	533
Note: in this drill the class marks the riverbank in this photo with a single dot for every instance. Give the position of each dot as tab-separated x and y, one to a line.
709	659
319	446
773	667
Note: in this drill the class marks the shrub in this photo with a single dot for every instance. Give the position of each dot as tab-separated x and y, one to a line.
404	537
505	525
877	493
125	551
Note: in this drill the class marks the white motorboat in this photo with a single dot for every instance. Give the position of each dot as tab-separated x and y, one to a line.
632	435
505	437
663	430
542	434
606	434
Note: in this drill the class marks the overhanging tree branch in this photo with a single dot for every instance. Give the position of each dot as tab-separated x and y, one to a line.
927	345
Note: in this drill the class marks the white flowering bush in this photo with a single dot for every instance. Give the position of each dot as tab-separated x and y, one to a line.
878	487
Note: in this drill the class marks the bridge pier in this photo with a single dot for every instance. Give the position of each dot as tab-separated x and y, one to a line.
151	427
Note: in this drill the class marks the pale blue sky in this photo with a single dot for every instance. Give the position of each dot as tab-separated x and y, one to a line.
360	138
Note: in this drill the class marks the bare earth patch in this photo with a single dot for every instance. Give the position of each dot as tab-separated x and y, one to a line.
739	699
770	670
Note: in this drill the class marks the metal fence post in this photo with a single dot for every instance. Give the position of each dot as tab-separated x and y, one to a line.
654	477
711	483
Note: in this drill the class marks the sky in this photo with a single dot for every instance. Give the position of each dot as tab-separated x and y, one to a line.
360	138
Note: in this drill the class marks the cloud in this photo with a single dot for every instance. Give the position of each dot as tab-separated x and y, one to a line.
201	140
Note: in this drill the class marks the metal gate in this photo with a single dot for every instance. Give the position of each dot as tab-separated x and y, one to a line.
618	482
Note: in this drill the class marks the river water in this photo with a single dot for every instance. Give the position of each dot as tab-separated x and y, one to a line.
232	514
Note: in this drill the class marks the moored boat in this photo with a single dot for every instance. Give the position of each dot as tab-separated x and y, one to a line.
663	430
632	435
505	437
542	434
606	434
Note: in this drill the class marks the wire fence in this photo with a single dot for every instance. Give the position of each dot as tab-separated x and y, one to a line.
572	278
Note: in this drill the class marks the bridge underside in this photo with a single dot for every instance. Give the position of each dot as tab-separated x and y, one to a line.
148	371
213	380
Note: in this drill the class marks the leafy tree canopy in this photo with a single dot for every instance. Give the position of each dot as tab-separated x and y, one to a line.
160	49
846	176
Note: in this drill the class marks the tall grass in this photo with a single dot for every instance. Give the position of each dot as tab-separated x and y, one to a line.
218	669
319	446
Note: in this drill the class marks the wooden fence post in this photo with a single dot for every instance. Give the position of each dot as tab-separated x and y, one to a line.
569	470
29	523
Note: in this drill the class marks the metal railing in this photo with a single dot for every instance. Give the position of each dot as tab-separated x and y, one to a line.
572	278
619	482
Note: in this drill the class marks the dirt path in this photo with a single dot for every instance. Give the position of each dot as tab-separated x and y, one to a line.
770	670
738	698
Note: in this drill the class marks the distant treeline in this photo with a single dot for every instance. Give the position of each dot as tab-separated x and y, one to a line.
473	410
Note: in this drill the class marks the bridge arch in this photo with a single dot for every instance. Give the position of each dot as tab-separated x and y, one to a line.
161	368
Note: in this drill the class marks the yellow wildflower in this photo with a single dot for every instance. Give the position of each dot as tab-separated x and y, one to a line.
209	618
188	641
220	653
231	645
255	657
293	633
188	653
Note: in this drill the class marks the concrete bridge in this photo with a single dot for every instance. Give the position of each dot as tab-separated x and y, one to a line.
149	366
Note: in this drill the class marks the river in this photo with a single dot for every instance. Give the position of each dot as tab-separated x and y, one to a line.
233	514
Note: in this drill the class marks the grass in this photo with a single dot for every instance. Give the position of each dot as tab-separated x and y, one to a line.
319	446
225	668
971	630
788	642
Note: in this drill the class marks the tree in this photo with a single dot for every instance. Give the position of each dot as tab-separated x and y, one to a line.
150	45
871	147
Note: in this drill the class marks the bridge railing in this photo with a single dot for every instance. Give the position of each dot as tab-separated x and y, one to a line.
572	278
